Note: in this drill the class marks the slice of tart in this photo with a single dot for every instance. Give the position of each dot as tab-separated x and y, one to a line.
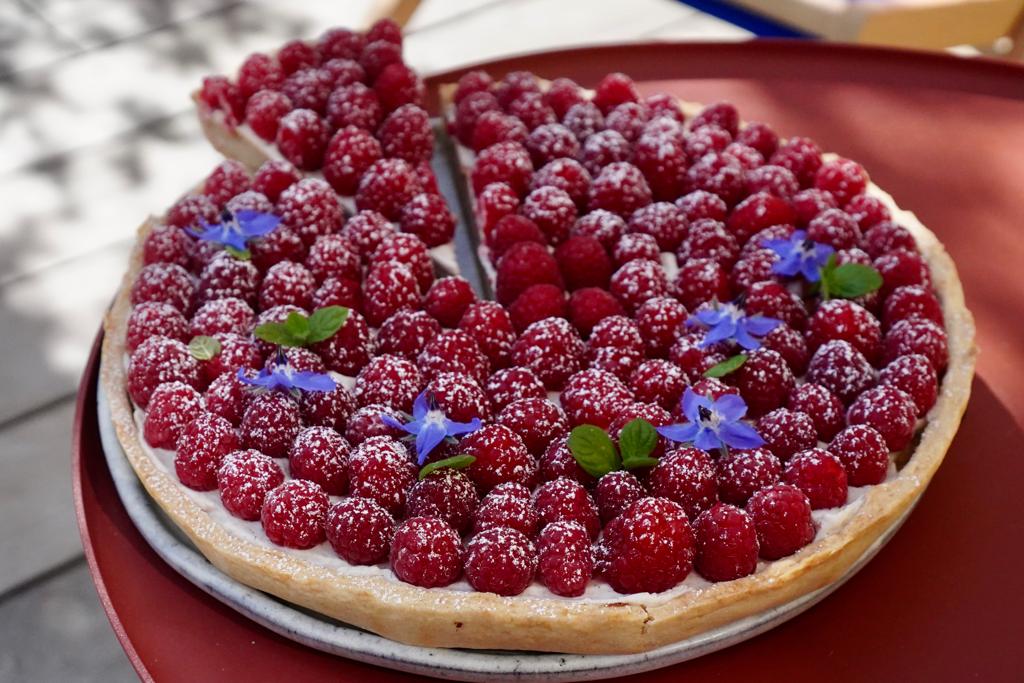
710	383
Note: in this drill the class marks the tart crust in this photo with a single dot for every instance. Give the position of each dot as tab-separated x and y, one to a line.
443	617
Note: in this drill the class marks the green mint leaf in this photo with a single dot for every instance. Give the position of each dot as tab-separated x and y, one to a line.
456	462
325	322
827	275
726	366
276	333
240	254
851	280
637	439
593	450
298	327
203	347
630	463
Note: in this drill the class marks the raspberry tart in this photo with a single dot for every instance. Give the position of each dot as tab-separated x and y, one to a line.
718	369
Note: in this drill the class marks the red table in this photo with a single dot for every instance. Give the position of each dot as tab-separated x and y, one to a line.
942	600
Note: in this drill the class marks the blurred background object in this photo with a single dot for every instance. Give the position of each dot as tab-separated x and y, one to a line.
97	131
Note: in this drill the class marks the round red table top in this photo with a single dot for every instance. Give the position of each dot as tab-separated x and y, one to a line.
941	600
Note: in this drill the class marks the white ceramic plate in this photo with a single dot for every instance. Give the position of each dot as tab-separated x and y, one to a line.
325	634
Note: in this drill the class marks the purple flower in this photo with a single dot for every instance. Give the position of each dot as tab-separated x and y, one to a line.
799	255
728	322
429	425
281	375
713	424
235	229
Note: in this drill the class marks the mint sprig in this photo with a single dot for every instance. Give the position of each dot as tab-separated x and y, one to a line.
456	462
597	455
848	281
726	366
637	441
203	347
300	330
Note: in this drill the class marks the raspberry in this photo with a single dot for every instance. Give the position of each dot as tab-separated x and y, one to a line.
156	361
764	381
406	134
835	228
757	212
841	369
310	208
333	256
389	287
514	84
615	345
820	475
687	354
530	108
287	283
773	180
228	179
500	560
426	552
525	264
774	300
166	283
493	127
154	319
328	408
565	500
636	246
226	276
507	505
709	239
427	216
168	244
688	477
615	492
760	136
727	544
842	178
846	320
201	447
638	281
386	186
802	156
495	202
741	473
270	423
917	336
511	384
604	226
887	236
594	397
914	375
719	174
359	530
661	220
562	94
338	292
446	494
354	105
864	454
366	422
300	359
703	139
901	267
340	43
409	250
583	262
244	479
620	188
557	461
565	560
226	397
649	412
537	302
295	55
552	210
293	514
749	270
500	456
658	381
344	72
388	380
590	305
660	321
453	351
701	204
649	548
406	333
350	152
468	111
911	301
782	518
472	82
663	105
583	119
171	407
787	432
379	54
818	403
302	138
365	231
236	352
536	420
459	397
552	349
549	142
220	94
320	455
701	280
490	326
510	231
504	162
613	90
379	469
809	203
890	411
396	85
867	210
603	148
273	177
349	349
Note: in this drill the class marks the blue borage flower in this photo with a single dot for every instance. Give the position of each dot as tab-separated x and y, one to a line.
430	425
281	375
237	228
728	322
713	424
799	255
